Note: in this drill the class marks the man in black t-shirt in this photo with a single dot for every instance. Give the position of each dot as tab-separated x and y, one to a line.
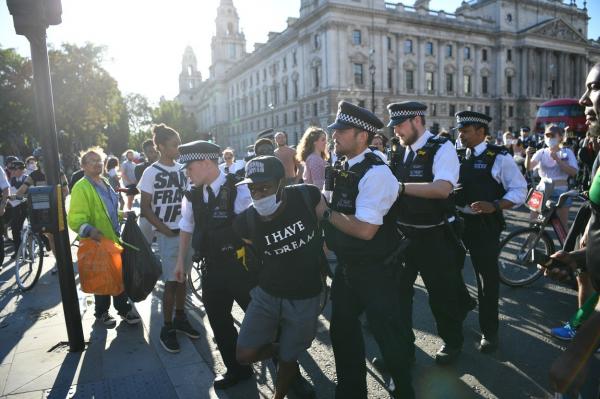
282	226
151	155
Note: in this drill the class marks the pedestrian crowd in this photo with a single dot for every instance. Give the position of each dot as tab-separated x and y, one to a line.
265	228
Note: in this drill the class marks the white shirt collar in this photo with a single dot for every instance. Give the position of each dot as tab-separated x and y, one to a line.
216	185
359	158
479	148
421	141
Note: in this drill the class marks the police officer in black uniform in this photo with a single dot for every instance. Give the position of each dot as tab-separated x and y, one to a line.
361	231
208	211
490	181
427	168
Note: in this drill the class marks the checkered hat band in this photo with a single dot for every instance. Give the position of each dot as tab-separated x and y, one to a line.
405	113
197	156
471	119
356	122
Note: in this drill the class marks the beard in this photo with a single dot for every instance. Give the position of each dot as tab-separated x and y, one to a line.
594	129
410	139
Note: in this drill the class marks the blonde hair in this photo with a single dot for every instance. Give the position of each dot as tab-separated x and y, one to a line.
83	155
306	146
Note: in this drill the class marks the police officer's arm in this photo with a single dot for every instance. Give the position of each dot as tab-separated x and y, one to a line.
445	170
24	187
3	202
186	228
506	172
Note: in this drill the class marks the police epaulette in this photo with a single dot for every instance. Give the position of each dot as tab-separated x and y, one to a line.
374	158
497	149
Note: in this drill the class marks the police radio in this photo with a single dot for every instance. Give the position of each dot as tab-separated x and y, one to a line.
394	153
331	173
45	209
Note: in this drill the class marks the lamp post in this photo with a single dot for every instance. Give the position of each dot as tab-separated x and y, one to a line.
272	108
31	19
372	72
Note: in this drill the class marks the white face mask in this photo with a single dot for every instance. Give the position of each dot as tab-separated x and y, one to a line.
31	167
551	142
266	206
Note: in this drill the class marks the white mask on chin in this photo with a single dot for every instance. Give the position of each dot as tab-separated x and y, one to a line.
551	142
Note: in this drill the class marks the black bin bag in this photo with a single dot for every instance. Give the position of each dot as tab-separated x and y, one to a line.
141	268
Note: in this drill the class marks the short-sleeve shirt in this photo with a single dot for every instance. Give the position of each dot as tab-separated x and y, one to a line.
128	171
549	169
166	187
3	180
38	177
288	246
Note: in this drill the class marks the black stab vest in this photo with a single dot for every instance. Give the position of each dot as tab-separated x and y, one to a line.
476	181
213	236
414	210
351	249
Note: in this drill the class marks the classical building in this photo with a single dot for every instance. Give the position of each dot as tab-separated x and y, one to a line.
500	57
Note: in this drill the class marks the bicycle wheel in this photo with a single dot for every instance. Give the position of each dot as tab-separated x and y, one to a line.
28	265
516	268
195	279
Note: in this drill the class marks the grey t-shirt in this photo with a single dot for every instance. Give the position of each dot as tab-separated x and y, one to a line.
128	170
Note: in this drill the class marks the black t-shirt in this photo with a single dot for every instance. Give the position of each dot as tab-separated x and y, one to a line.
289	246
140	168
39	178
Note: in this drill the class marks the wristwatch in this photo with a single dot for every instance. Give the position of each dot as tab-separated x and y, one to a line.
327	214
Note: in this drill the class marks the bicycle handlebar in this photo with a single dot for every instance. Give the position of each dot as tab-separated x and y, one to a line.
563	198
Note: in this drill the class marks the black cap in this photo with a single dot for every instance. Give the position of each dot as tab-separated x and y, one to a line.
17	164
350	115
466	118
525	129
399	112
262	169
198	151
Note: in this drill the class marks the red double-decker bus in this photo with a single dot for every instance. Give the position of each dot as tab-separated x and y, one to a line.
562	112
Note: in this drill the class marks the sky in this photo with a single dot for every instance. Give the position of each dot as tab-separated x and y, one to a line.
145	39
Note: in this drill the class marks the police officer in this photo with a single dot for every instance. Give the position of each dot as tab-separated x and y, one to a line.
208	211
361	231
427	168
490	181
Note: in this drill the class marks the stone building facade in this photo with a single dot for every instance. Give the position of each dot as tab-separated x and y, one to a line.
500	57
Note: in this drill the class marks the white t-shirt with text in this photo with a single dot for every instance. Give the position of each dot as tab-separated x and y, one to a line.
166	188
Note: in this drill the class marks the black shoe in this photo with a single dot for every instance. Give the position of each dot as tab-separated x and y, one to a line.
447	355
488	344
229	379
301	388
184	326
168	339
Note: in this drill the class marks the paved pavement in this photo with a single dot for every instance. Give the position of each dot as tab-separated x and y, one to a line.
128	361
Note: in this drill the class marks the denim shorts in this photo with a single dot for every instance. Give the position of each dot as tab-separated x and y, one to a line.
557	193
168	250
266	313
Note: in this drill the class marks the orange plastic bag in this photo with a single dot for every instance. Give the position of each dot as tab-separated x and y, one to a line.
100	267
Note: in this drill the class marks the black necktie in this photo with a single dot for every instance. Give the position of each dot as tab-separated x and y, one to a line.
211	196
409	158
346	165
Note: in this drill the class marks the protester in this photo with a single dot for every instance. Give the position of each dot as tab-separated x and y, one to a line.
93	213
4	190
17	209
162	187
263	146
231	165
287	156
128	176
282	226
151	156
555	165
312	152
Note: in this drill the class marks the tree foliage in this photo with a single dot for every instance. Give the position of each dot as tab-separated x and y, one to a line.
172	114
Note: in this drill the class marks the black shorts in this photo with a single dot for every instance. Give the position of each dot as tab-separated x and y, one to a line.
132	189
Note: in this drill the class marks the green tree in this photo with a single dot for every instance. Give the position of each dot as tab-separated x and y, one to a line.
140	113
172	114
17	121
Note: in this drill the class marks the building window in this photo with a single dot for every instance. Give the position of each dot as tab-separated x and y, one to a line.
509	85
389	43
449	51
429	48
232	50
356	37
511	111
467	84
284	62
315	109
484	55
285	118
390	81
295	116
451	110
429	81
295	89
509	55
408	46
487	110
358	74
317	76
264	74
317	41
449	82
467	52
285	92
433	109
294	58
484	85
410	80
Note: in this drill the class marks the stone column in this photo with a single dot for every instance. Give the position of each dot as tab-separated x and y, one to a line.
460	64
420	75
400	61
441	87
476	76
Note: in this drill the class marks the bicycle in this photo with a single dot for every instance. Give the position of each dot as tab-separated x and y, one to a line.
195	279
516	261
